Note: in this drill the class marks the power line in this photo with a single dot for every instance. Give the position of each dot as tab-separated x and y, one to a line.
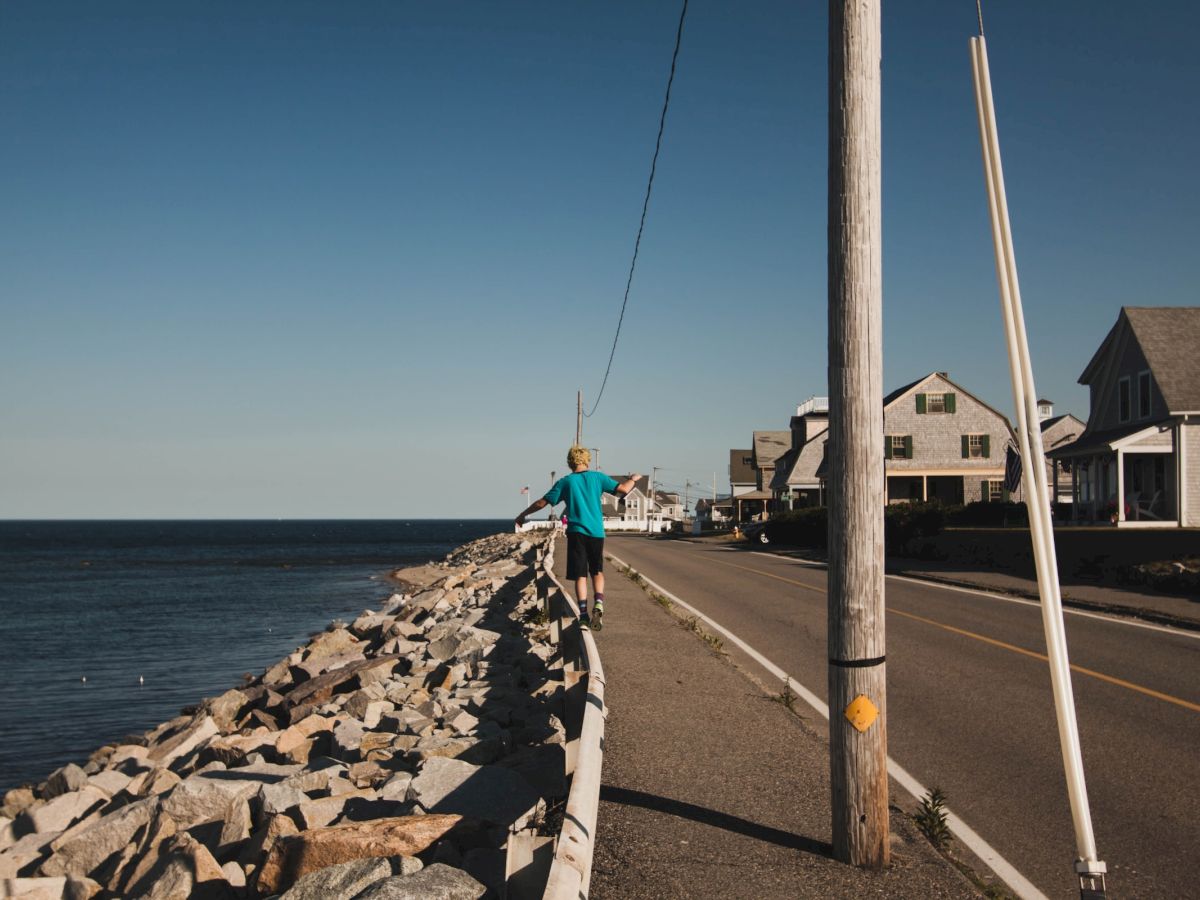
662	122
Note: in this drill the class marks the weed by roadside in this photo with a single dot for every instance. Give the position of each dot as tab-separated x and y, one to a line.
692	623
787	696
931	818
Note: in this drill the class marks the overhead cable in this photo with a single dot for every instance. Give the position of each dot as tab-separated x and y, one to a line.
645	205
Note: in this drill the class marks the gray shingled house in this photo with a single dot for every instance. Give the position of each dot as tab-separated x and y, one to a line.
797	482
1057	433
768	446
943	443
1142	440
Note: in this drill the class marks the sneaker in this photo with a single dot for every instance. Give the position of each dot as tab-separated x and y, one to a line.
597	616
584	618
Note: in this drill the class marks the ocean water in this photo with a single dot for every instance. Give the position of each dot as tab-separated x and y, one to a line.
187	607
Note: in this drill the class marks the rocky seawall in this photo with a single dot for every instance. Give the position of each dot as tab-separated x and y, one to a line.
387	758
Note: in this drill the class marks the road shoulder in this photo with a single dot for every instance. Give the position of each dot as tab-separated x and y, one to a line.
713	787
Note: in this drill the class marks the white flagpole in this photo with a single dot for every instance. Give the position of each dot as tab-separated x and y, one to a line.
1088	866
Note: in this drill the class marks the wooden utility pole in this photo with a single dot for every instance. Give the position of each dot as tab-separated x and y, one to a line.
578	418
857	699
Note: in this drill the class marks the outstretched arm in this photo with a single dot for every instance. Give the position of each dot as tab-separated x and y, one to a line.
540	503
627	485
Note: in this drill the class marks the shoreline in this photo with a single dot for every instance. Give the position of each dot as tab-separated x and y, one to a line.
367	723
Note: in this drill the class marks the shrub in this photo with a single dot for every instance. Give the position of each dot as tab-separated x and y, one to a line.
905	522
989	515
807	527
902	524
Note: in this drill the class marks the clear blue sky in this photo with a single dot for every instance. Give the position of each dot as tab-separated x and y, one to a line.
314	259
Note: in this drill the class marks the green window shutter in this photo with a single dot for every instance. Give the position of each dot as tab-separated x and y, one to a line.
887	446
1004	495
985	491
949	403
920	404
966	446
908	446
987	446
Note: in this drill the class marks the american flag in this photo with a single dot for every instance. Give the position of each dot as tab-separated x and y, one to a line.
1012	469
525	490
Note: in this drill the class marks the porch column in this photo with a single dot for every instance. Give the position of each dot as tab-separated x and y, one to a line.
924	488
1095	482
1120	486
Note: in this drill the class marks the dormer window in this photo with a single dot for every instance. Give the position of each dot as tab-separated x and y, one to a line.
935	403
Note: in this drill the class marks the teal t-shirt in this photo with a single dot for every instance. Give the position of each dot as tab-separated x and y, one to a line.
581	492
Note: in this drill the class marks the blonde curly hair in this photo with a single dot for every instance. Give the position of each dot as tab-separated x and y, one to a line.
578	456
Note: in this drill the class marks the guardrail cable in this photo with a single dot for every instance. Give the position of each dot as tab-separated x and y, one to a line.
645	206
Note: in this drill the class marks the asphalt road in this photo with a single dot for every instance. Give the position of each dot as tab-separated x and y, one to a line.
970	709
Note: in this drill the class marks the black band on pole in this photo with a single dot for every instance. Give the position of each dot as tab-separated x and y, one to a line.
857	663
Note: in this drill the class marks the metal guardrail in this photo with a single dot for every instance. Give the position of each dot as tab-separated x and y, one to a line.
570	868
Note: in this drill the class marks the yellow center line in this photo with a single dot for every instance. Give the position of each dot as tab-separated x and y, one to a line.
1119	682
819	590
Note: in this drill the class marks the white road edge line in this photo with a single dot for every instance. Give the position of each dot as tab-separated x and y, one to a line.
1007	598
1018	883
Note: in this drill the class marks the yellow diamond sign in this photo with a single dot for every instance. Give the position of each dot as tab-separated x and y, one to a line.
862	712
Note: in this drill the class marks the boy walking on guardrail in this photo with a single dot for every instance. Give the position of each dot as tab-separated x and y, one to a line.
581	491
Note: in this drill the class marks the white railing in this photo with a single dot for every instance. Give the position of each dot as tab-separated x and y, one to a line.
569	872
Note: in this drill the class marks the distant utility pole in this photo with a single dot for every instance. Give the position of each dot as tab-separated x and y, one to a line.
857	698
578	418
650	497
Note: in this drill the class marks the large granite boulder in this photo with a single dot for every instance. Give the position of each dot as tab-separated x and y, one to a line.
435	882
291	858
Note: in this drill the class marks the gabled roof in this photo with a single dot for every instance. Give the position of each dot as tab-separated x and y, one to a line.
900	392
1168	337
801	466
770	445
1047	424
642	485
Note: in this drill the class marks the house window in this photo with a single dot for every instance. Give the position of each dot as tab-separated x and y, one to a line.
976	446
1123	399
935	403
1143	395
898	446
995	492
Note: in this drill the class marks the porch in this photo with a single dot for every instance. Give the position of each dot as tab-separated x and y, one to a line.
948	488
1139	468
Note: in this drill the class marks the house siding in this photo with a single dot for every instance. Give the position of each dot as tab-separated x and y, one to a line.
937	437
1105	394
1191	449
1163	438
1060	434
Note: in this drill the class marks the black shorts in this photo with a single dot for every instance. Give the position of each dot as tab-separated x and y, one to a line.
585	555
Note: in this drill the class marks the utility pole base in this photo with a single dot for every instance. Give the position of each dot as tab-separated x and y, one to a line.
1091	879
